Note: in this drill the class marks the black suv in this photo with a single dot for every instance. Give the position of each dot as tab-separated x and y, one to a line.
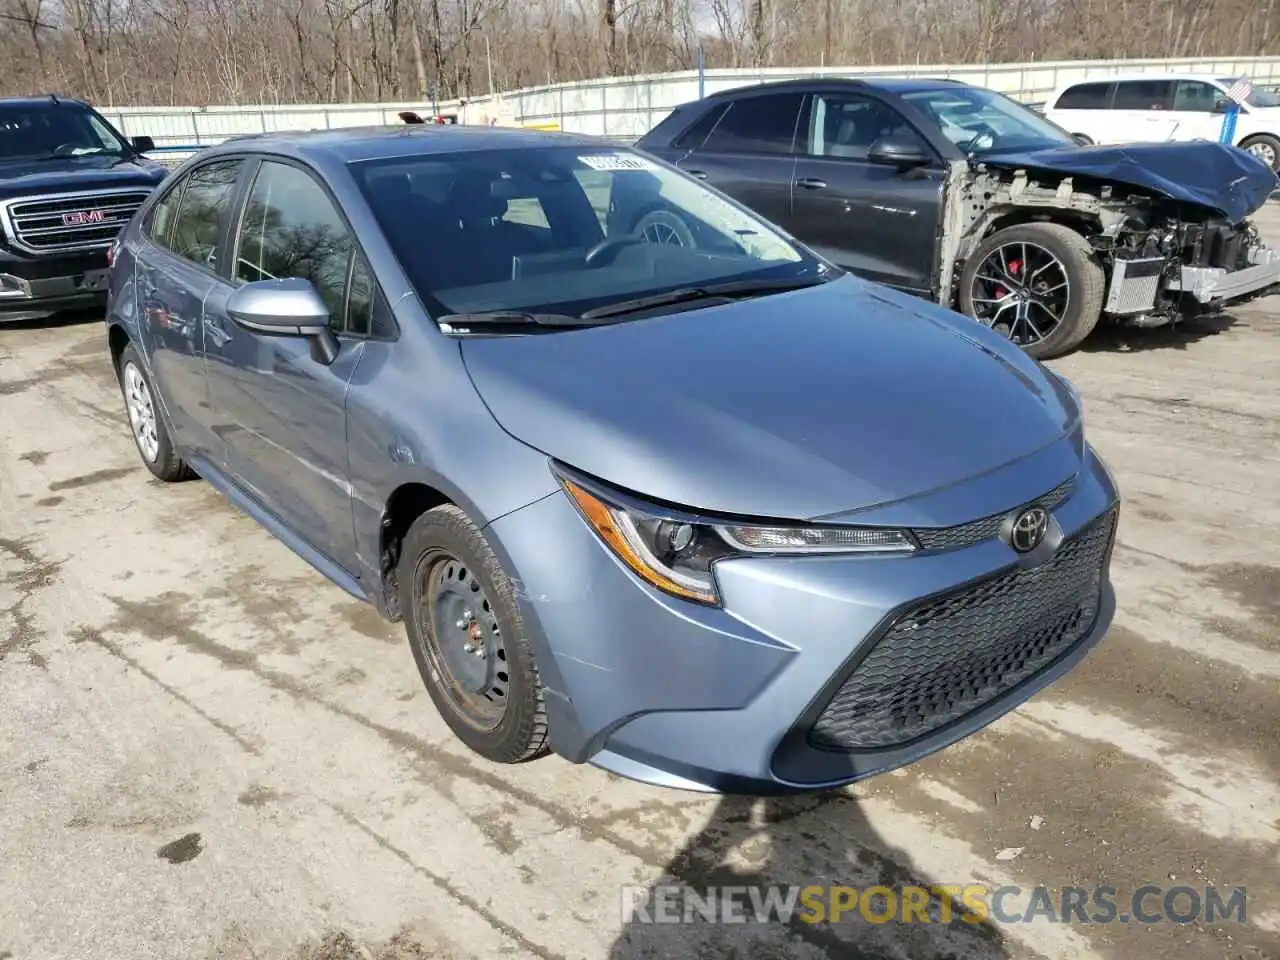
68	183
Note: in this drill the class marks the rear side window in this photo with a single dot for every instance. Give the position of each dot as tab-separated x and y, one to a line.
206	199
1143	95
696	135
160	226
764	124
1086	96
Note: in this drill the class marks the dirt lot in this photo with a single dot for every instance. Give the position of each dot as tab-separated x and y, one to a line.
208	751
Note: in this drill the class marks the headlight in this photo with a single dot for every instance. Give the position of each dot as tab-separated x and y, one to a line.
676	554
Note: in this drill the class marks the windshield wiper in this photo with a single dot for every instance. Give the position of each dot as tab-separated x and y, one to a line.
729	290
495	320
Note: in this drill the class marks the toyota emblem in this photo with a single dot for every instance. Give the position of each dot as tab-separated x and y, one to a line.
1028	529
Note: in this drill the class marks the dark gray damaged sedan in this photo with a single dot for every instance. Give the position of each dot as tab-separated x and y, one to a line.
649	483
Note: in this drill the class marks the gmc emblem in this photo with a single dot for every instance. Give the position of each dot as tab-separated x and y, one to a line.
81	217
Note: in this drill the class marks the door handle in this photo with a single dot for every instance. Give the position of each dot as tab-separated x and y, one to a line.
214	329
811	183
700	174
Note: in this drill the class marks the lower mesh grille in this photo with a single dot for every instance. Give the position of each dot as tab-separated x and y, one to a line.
951	655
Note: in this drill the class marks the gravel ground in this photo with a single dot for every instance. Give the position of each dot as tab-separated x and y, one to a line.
206	750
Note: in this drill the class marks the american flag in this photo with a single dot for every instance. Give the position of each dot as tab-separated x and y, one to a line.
1240	89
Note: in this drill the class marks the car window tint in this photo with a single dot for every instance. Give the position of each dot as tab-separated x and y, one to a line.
763	124
361	294
1143	95
161	222
291	228
1086	96
1195	96
205	201
847	126
696	135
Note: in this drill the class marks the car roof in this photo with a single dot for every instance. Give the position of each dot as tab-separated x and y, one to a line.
47	100
356	144
887	84
1151	75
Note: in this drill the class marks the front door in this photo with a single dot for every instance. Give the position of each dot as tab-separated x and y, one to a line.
282	412
878	221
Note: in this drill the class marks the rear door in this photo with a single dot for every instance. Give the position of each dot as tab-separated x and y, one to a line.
748	153
283	413
1085	109
878	221
175	271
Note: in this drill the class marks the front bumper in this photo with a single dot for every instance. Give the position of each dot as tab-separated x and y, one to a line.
35	288
1210	284
735	699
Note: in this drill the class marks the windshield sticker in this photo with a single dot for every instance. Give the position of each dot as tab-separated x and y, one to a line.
616	161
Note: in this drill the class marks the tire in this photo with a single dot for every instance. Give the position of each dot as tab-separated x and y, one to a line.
1083	274
663	226
1083	139
1264	143
446	560
146	422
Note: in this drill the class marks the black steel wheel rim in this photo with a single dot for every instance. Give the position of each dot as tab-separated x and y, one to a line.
461	640
1021	291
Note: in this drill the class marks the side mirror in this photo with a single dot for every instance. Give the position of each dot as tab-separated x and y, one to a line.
1081	140
901	153
143	144
285	308
1222	106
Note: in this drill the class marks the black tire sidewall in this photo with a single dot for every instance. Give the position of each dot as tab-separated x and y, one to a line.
1068	333
168	465
521	733
1268	139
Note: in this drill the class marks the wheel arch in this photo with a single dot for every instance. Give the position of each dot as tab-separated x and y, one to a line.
117	339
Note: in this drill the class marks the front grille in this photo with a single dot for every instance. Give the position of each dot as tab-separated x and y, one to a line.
975	531
952	654
62	223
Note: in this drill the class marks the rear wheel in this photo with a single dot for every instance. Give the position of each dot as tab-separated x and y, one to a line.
1039	284
150	434
1266	148
468	638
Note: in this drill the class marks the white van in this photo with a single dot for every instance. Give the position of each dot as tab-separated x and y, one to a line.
1167	106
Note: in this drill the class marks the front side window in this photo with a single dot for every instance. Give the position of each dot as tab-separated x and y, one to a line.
160	225
1143	95
291	228
985	123
564	229
205	203
846	126
1195	96
764	124
54	130
1086	96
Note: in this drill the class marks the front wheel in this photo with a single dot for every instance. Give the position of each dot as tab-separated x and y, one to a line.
468	638
1039	284
1266	148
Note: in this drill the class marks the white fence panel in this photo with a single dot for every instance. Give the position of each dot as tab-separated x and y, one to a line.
627	107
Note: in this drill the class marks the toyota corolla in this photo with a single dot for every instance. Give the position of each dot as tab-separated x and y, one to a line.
649	483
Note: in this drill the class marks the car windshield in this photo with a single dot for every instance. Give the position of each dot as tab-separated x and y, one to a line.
566	230
1257	97
55	130
983	122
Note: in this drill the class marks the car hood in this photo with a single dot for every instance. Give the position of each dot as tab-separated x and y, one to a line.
791	406
20	177
1229	181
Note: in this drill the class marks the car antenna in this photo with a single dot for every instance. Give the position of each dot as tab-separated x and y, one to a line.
54	98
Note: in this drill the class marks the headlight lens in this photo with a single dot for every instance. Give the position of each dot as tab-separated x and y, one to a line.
676	555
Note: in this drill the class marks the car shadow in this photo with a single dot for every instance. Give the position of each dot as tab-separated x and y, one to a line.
751	849
68	318
1124	339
